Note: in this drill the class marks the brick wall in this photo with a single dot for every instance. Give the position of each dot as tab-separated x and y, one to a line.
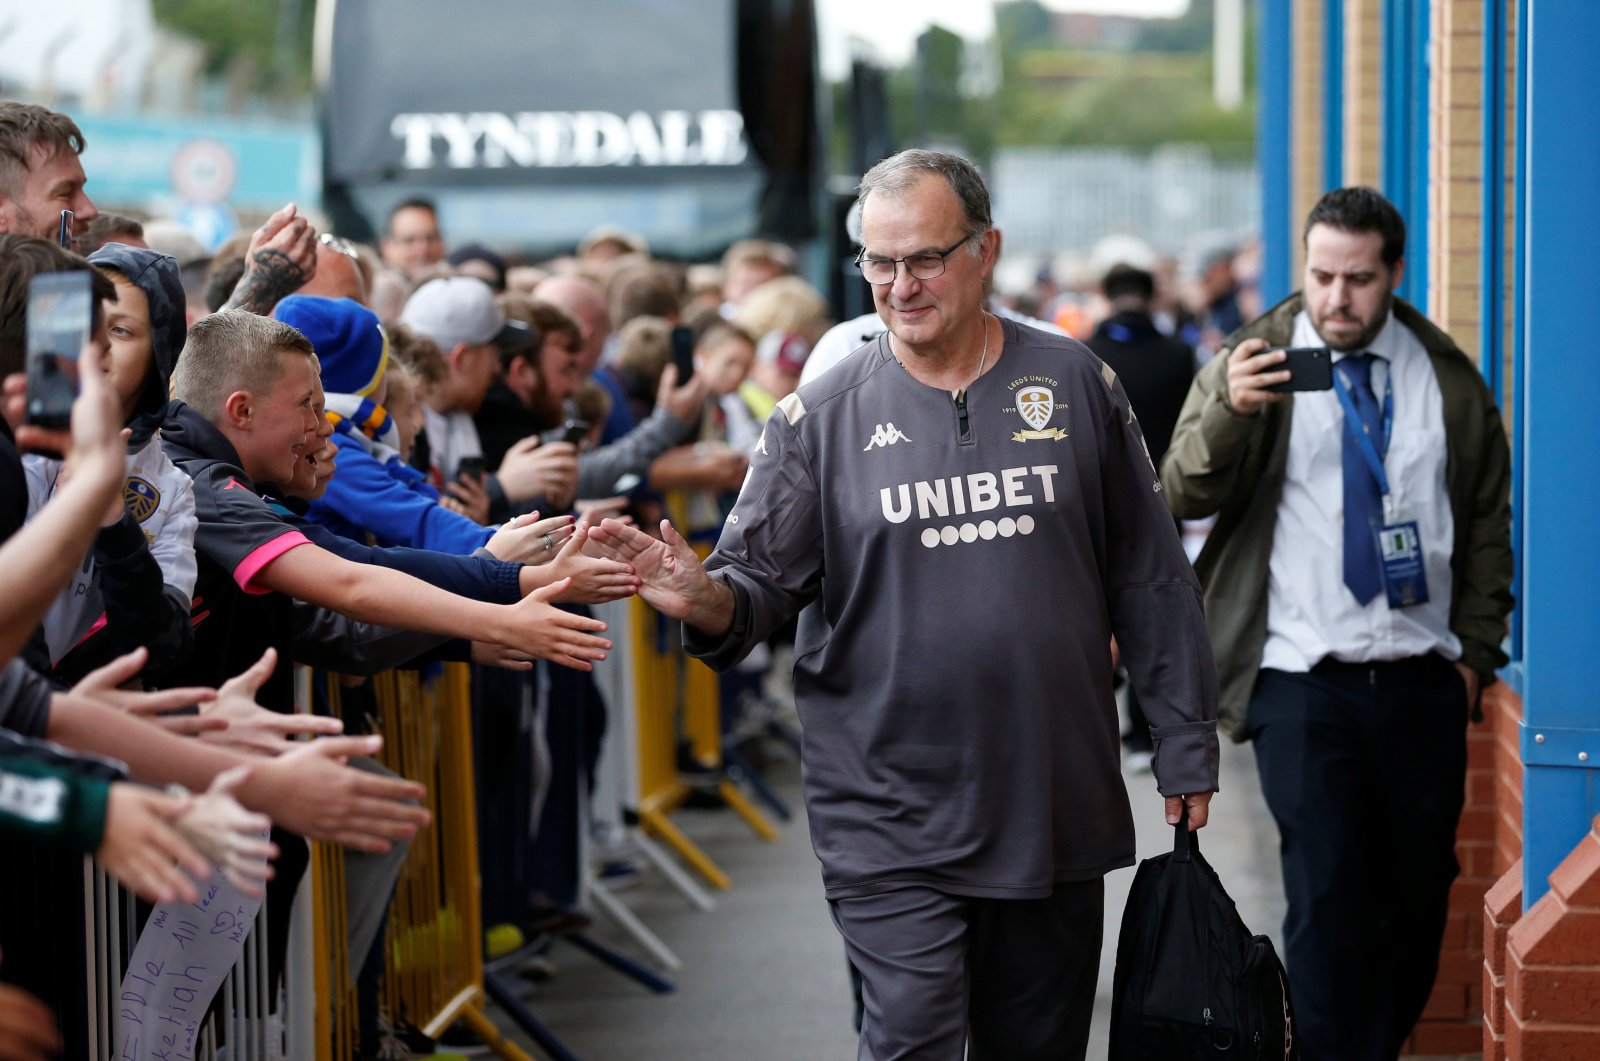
1502	711
1455	191
1363	98
1501	909
1542	971
1306	187
1488	839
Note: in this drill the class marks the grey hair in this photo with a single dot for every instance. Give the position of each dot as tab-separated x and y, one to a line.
234	350
897	173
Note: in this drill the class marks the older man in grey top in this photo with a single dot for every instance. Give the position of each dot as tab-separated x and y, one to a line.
966	514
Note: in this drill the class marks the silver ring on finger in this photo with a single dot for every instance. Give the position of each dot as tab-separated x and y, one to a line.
549	542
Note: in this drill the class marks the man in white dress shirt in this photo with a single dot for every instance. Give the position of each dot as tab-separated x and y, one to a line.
1357	587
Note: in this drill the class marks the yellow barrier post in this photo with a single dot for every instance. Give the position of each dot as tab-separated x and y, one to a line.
434	948
669	685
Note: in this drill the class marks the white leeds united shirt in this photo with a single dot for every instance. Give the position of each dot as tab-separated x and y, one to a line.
1310	612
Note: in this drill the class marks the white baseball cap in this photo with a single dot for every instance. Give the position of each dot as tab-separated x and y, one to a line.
461	309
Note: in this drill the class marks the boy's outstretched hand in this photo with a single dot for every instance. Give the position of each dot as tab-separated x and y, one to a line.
593	580
104	685
143	849
230	836
543	631
311	791
249	727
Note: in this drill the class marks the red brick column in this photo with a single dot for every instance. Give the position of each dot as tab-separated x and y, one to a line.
1501	909
1490	830
1502	713
1553	965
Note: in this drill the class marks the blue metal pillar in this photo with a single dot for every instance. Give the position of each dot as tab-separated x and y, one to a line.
1333	95
1560	424
1519	337
1274	85
1405	133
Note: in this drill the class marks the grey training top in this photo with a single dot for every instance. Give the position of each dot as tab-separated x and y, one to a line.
954	673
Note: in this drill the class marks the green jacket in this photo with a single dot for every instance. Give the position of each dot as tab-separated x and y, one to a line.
1232	465
53	802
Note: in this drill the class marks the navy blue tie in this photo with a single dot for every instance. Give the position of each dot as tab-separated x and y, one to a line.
1363	502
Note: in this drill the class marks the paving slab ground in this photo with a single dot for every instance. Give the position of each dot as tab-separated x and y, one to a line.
764	974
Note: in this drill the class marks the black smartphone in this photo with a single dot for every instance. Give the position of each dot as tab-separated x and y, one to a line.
573	431
1310	369
60	314
471	468
683	352
64	230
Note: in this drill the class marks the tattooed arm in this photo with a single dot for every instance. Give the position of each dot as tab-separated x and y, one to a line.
282	258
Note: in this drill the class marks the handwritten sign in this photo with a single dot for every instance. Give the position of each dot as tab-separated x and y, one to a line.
184	953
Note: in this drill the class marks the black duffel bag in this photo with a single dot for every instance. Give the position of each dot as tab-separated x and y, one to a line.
1191	981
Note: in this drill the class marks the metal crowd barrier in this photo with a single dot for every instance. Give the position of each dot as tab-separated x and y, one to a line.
434	944
241	1020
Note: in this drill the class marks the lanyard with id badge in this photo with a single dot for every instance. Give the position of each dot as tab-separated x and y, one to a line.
1398	541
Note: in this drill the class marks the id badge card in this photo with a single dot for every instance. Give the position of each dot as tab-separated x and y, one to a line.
1405	580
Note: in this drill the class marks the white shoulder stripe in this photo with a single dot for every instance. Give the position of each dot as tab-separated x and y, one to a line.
1108	375
793	408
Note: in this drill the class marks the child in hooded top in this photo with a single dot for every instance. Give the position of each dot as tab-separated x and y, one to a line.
135	588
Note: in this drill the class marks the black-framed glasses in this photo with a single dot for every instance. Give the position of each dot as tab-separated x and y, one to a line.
925	266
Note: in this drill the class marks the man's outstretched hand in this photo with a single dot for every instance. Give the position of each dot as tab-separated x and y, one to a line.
672	579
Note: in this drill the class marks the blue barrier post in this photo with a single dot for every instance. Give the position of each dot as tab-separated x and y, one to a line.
1560	426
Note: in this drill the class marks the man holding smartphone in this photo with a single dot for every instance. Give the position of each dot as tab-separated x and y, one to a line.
40	175
1357	587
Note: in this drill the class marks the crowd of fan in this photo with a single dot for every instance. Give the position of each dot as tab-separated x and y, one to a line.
304	450
301	450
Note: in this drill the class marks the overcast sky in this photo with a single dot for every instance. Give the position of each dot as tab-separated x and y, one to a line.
893	27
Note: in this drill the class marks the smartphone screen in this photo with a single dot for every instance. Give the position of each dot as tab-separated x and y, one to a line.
60	309
1310	368
471	468
683	352
64	230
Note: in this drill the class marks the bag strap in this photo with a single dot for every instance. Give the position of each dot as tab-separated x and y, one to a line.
1185	844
